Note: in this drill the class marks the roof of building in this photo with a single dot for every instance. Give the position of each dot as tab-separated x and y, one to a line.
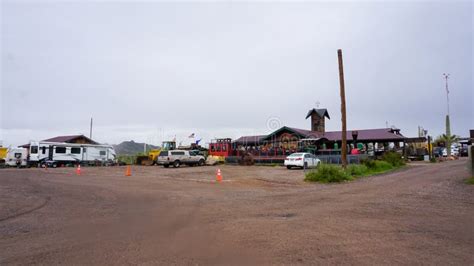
321	112
378	134
249	139
69	139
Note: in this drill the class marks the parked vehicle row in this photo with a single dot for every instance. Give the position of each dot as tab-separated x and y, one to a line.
53	154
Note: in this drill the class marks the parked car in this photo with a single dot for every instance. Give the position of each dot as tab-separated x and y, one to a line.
178	157
301	159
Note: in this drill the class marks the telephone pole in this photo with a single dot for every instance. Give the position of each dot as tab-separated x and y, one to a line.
343	110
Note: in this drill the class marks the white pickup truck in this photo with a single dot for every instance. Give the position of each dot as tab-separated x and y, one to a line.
178	157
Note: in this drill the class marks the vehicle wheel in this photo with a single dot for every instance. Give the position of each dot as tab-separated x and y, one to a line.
176	164
288	167
166	165
201	162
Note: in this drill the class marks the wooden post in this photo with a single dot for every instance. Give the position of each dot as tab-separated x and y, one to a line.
343	110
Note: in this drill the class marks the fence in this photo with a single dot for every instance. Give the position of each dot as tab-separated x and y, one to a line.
330	159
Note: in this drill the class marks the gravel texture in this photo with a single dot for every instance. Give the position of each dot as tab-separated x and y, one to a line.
422	214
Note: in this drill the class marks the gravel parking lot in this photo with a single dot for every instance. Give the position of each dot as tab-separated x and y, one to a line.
423	214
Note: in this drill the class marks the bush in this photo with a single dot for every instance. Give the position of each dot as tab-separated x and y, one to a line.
381	166
327	173
357	169
393	158
470	181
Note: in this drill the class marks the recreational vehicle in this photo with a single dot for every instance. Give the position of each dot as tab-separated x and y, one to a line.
59	153
16	157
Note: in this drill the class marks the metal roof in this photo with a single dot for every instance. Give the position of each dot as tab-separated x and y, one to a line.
321	112
69	139
368	135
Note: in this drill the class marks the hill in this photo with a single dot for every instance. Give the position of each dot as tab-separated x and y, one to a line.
132	148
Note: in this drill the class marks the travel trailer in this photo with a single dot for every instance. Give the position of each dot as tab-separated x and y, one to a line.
60	153
16	157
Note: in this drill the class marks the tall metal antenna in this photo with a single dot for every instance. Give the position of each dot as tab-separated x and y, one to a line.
446	77
90	131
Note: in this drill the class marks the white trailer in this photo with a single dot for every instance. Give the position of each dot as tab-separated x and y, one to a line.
16	157
56	153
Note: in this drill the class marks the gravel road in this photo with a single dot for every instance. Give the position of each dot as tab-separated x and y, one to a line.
423	214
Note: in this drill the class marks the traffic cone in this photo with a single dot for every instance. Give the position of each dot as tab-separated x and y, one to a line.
128	172
218	175
78	169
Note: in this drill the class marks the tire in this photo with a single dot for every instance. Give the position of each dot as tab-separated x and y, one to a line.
176	164
288	167
166	165
201	162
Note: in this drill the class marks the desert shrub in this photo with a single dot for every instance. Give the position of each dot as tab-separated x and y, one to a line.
369	163
470	181
393	158
357	169
327	173
381	166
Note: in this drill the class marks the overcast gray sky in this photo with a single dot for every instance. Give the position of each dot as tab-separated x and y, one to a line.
148	71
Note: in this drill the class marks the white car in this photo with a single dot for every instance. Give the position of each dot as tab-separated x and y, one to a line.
302	159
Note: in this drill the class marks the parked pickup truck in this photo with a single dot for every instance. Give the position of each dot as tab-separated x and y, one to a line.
178	157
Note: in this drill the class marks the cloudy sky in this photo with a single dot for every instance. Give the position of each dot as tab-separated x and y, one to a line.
149	71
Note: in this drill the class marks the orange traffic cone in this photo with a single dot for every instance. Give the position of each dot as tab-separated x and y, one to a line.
218	175
78	169
128	172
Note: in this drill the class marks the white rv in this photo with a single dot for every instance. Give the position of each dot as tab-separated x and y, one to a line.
16	157
57	153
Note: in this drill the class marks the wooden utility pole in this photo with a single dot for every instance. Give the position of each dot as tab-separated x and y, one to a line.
343	111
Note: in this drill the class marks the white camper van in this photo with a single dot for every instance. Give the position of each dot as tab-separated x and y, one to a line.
57	153
17	157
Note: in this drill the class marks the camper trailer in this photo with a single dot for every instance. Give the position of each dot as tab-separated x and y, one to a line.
16	157
60	153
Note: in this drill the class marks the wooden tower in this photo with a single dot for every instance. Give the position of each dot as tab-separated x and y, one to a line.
318	119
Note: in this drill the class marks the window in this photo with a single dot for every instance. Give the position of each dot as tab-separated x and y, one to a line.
177	153
218	147
163	153
43	150
60	149
102	153
84	149
224	147
34	149
76	150
213	148
18	155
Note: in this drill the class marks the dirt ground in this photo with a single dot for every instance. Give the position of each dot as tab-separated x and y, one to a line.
423	214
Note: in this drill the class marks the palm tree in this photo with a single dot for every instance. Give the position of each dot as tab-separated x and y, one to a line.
447	139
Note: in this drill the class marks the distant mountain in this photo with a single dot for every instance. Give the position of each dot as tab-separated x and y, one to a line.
132	148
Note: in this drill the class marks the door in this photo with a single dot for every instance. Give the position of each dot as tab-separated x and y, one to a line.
50	152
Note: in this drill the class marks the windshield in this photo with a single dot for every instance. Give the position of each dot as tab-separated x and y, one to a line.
296	155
